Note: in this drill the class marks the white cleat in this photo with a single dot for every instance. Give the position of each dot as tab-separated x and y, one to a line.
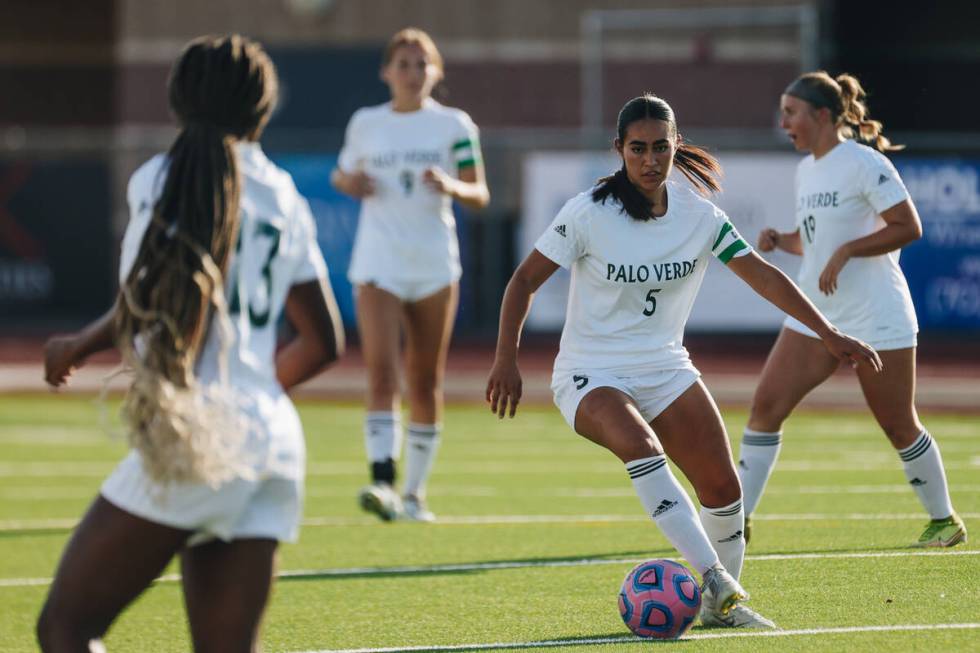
381	500
739	616
414	509
720	592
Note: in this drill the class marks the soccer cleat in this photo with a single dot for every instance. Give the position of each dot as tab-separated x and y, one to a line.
382	500
738	617
943	532
720	591
414	509
747	531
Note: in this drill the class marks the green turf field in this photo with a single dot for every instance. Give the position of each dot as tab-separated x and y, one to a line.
537	530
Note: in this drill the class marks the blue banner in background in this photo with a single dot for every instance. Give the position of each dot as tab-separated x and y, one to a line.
943	267
335	215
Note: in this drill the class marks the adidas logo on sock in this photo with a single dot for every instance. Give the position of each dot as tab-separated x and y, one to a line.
664	506
561	230
917	482
742	464
882	179
734	537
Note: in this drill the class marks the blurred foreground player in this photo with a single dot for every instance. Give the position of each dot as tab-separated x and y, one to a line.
218	246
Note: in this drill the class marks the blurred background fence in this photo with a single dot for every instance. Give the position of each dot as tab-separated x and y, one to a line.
83	103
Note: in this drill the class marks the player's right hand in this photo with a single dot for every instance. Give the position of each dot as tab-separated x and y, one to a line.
504	388
768	239
359	184
60	360
852	351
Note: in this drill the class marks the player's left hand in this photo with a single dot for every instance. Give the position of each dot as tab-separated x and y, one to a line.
828	278
438	181
852	351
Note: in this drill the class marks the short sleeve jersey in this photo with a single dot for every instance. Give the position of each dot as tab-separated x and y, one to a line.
839	198
276	249
633	282
406	230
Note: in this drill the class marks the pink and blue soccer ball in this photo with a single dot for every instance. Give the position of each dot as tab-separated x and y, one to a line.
659	599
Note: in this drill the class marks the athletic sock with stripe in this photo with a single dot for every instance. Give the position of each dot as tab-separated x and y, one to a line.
382	440
725	527
420	452
667	503
924	470
757	457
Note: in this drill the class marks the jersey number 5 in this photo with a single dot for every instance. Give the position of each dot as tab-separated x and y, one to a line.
258	318
810	226
651	302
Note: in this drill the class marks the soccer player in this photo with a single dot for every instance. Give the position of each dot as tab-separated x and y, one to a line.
407	160
218	246
853	216
637	245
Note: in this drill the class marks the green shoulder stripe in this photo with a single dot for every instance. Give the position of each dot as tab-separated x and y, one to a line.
732	250
724	230
458	145
465	163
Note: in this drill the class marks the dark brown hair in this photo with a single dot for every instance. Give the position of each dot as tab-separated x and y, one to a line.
696	164
844	97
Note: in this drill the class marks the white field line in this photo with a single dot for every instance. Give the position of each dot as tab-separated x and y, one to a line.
85	469
8	525
632	640
68	492
526	564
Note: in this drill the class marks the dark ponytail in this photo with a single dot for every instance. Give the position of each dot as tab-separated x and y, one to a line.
701	169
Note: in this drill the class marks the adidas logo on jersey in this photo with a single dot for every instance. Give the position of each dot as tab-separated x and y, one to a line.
734	537
882	179
561	230
917	482
664	506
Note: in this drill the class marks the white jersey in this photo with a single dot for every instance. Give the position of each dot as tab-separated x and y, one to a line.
406	231
276	249
839	198
634	283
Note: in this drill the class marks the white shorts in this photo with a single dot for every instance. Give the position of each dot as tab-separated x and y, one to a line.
268	505
406	290
652	391
886	343
268	508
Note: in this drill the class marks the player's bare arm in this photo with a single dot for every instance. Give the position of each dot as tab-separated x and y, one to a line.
63	354
902	226
773	285
357	184
504	386
312	310
771	239
470	189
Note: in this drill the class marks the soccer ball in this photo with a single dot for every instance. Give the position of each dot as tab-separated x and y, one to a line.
659	599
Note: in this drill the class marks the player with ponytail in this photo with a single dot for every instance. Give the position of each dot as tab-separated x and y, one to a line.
853	217
219	245
637	245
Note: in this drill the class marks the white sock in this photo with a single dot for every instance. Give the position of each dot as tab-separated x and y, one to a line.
382	435
420	452
665	500
725	527
757	457
924	469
